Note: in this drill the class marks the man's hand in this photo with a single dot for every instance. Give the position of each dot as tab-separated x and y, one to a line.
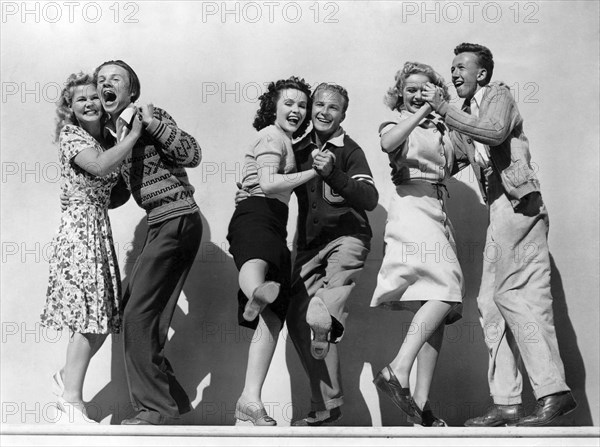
147	111
433	95
530	205
324	162
241	194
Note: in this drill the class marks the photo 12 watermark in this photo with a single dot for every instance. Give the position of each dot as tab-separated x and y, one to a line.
270	12
470	12
70	12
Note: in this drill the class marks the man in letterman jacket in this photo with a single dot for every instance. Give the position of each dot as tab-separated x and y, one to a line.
332	245
155	174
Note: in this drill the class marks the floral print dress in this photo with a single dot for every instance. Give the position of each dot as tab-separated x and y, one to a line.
84	287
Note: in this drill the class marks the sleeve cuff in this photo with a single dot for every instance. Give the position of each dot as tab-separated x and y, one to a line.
442	109
337	179
152	127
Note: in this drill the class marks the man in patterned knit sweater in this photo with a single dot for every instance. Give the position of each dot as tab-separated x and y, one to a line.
155	174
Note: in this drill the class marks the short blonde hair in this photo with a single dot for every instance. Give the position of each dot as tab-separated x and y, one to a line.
393	98
64	111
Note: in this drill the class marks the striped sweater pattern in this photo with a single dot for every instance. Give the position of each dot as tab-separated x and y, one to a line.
155	169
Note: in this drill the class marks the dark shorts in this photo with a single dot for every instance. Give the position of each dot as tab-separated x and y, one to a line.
258	230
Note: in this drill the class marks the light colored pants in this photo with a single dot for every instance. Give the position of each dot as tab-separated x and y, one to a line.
515	303
330	273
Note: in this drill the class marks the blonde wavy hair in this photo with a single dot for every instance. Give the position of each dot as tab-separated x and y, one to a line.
393	98
64	112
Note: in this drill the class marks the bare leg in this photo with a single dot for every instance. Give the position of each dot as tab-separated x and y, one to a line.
252	274
426	362
424	324
260	355
81	349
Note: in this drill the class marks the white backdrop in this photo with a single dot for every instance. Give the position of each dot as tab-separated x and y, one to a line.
206	63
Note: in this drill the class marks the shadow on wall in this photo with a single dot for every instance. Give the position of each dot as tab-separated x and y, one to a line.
569	352
203	339
374	336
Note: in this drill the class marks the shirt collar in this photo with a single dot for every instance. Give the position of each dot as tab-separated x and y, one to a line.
124	117
478	97
337	140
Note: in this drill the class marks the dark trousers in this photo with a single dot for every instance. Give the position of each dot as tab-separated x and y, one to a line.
149	302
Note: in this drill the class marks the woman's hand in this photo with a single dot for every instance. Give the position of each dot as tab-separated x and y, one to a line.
147	111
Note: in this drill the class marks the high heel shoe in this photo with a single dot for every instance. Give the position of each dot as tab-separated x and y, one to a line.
249	415
74	413
264	294
58	386
399	395
425	417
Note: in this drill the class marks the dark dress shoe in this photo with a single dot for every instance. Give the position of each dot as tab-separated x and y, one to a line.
497	415
399	395
135	421
548	409
335	414
425	417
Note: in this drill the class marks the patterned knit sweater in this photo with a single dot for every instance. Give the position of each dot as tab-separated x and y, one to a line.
155	169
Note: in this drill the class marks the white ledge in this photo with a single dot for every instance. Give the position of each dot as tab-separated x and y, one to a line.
296	432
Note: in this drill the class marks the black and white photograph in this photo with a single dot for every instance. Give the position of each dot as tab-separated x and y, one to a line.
300	222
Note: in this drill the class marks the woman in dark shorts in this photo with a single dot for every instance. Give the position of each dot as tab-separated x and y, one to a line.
258	236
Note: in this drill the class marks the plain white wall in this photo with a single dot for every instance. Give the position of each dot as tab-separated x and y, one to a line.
206	63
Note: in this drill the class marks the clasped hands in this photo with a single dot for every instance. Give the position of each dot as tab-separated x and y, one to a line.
433	94
323	162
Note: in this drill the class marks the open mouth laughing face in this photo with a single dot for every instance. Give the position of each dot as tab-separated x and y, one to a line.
114	88
412	92
86	104
291	110
466	73
327	111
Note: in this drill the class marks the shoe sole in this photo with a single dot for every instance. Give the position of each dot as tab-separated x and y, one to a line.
264	295
319	320
501	424
325	423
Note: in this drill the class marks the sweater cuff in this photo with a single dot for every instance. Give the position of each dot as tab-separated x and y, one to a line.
442	109
152	126
337	179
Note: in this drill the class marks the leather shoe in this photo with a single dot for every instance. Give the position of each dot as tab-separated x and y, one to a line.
263	295
425	417
319	320
320	418
135	421
548	409
497	415
392	387
252	414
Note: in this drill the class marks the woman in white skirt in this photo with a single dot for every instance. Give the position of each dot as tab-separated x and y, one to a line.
420	270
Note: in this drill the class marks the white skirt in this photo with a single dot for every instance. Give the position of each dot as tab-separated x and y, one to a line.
420	261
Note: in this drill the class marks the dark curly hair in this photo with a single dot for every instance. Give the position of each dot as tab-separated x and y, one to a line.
484	56
265	115
393	98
